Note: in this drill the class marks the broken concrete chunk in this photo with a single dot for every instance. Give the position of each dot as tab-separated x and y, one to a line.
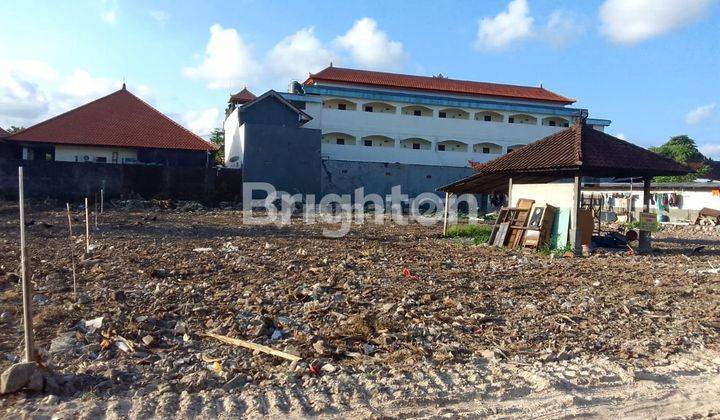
17	376
36	381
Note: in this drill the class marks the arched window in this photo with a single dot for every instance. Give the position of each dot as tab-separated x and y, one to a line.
452	146
514	147
341	104
338	138
417	111
453	113
379	107
555	122
522	119
488	116
377	141
487	148
415	143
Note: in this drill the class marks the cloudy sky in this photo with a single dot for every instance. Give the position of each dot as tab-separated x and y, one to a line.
651	66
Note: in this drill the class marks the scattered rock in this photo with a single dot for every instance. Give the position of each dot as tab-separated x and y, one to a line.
17	376
64	342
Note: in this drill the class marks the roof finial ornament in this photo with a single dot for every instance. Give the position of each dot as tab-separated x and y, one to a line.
123	86
331	64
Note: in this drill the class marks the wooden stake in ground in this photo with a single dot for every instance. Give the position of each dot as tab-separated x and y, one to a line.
72	252
87	227
253	346
26	286
95	215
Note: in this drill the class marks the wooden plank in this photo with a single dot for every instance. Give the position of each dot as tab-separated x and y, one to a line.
253	346
501	234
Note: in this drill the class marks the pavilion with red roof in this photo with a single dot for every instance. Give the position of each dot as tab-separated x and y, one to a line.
119	128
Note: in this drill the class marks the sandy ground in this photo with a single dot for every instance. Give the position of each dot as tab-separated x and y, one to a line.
687	387
390	321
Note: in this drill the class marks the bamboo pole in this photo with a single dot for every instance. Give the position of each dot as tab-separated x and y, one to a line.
26	286
72	252
445	213
87	227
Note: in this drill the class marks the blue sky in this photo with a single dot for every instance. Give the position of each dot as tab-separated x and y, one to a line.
651	66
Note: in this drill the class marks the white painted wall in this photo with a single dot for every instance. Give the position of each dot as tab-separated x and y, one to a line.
67	153
691	202
234	140
557	194
399	126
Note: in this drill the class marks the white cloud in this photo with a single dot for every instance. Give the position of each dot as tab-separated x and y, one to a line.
296	55
228	61
632	21
563	27
371	47
621	136
80	87
160	16
513	24
201	122
21	97
700	113
711	150
109	11
31	91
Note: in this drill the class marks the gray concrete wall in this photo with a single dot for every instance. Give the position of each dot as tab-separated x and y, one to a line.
269	111
343	177
286	157
73	180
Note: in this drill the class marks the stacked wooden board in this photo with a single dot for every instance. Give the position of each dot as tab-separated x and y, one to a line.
523	226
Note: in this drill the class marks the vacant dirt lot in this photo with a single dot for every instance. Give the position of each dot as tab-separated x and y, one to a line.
385	301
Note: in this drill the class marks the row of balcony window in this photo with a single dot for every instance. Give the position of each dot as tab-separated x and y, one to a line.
452	113
415	143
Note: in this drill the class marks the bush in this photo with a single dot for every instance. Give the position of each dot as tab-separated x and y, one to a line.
479	233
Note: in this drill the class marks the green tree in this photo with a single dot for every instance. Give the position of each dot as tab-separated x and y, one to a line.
13	129
684	150
217	137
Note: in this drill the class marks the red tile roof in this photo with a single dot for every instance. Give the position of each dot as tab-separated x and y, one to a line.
579	149
581	146
436	84
119	119
242	97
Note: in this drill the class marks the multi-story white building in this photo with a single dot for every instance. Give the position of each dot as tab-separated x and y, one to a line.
385	117
377	129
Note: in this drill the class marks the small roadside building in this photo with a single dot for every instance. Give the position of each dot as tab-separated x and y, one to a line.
119	128
551	171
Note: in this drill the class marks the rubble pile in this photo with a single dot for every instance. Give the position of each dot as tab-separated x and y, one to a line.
157	282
